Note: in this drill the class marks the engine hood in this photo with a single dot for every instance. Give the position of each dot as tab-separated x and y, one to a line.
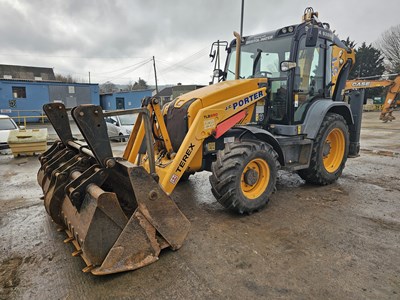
220	91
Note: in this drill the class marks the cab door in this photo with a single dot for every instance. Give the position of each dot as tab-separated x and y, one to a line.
311	74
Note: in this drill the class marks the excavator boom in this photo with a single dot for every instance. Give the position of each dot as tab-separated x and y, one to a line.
390	99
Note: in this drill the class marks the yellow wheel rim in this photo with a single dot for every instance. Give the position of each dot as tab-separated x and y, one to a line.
255	178
333	150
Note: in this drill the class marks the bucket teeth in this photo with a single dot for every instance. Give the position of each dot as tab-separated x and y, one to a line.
68	240
103	202
77	253
87	269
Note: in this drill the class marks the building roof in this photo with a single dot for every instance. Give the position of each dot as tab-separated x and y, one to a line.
26	73
188	86
126	92
49	82
165	92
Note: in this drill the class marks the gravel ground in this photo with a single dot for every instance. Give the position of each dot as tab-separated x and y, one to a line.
339	241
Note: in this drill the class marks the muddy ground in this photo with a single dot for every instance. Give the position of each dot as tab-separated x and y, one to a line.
340	241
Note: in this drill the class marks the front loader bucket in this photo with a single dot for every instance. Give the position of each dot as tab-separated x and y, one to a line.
115	213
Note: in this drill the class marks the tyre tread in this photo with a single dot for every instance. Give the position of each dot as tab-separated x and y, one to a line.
227	167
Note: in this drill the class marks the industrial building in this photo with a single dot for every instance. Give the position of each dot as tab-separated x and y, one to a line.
24	90
124	100
169	93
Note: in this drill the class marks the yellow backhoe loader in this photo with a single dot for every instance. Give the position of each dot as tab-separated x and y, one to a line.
278	103
390	100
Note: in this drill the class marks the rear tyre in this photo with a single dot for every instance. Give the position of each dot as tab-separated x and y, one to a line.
244	175
329	153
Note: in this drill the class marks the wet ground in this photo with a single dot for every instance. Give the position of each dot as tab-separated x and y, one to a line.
340	241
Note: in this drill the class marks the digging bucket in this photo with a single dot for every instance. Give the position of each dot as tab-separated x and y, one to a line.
115	213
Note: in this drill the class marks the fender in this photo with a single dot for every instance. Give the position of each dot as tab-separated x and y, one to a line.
317	112
265	136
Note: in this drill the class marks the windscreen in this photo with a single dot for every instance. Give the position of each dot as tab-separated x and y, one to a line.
260	59
128	119
7	124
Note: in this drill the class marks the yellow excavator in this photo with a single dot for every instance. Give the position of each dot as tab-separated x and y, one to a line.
278	103
390	100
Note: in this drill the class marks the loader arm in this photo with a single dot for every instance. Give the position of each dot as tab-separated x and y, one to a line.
212	120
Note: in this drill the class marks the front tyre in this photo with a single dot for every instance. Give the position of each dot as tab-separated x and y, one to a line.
329	153
244	175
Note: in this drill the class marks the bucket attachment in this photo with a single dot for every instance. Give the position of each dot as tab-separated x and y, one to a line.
114	212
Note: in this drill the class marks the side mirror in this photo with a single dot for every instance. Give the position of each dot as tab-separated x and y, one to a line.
218	73
22	127
287	65
312	37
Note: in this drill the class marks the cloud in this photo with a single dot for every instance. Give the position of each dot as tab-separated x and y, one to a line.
101	36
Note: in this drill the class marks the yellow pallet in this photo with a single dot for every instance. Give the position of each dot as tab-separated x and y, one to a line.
28	141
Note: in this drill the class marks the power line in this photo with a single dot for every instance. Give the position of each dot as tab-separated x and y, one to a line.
124	68
191	58
131	70
171	68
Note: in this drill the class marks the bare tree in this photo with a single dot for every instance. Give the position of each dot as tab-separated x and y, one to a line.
389	44
66	78
108	87
141	84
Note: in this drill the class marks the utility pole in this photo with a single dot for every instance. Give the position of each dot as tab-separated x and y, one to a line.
241	20
155	74
239	42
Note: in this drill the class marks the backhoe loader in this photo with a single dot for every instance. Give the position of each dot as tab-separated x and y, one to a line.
390	100
278	103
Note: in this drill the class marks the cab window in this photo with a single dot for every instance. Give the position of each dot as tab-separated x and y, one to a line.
110	120
309	81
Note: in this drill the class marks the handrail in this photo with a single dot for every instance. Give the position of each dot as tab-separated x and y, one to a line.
18	118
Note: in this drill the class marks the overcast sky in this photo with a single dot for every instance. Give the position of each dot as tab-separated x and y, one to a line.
115	40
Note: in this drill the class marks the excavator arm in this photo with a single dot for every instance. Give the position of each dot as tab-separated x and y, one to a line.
392	92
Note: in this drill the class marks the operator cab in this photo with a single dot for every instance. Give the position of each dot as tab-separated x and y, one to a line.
297	62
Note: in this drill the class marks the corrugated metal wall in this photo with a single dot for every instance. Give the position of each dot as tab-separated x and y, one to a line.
70	95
